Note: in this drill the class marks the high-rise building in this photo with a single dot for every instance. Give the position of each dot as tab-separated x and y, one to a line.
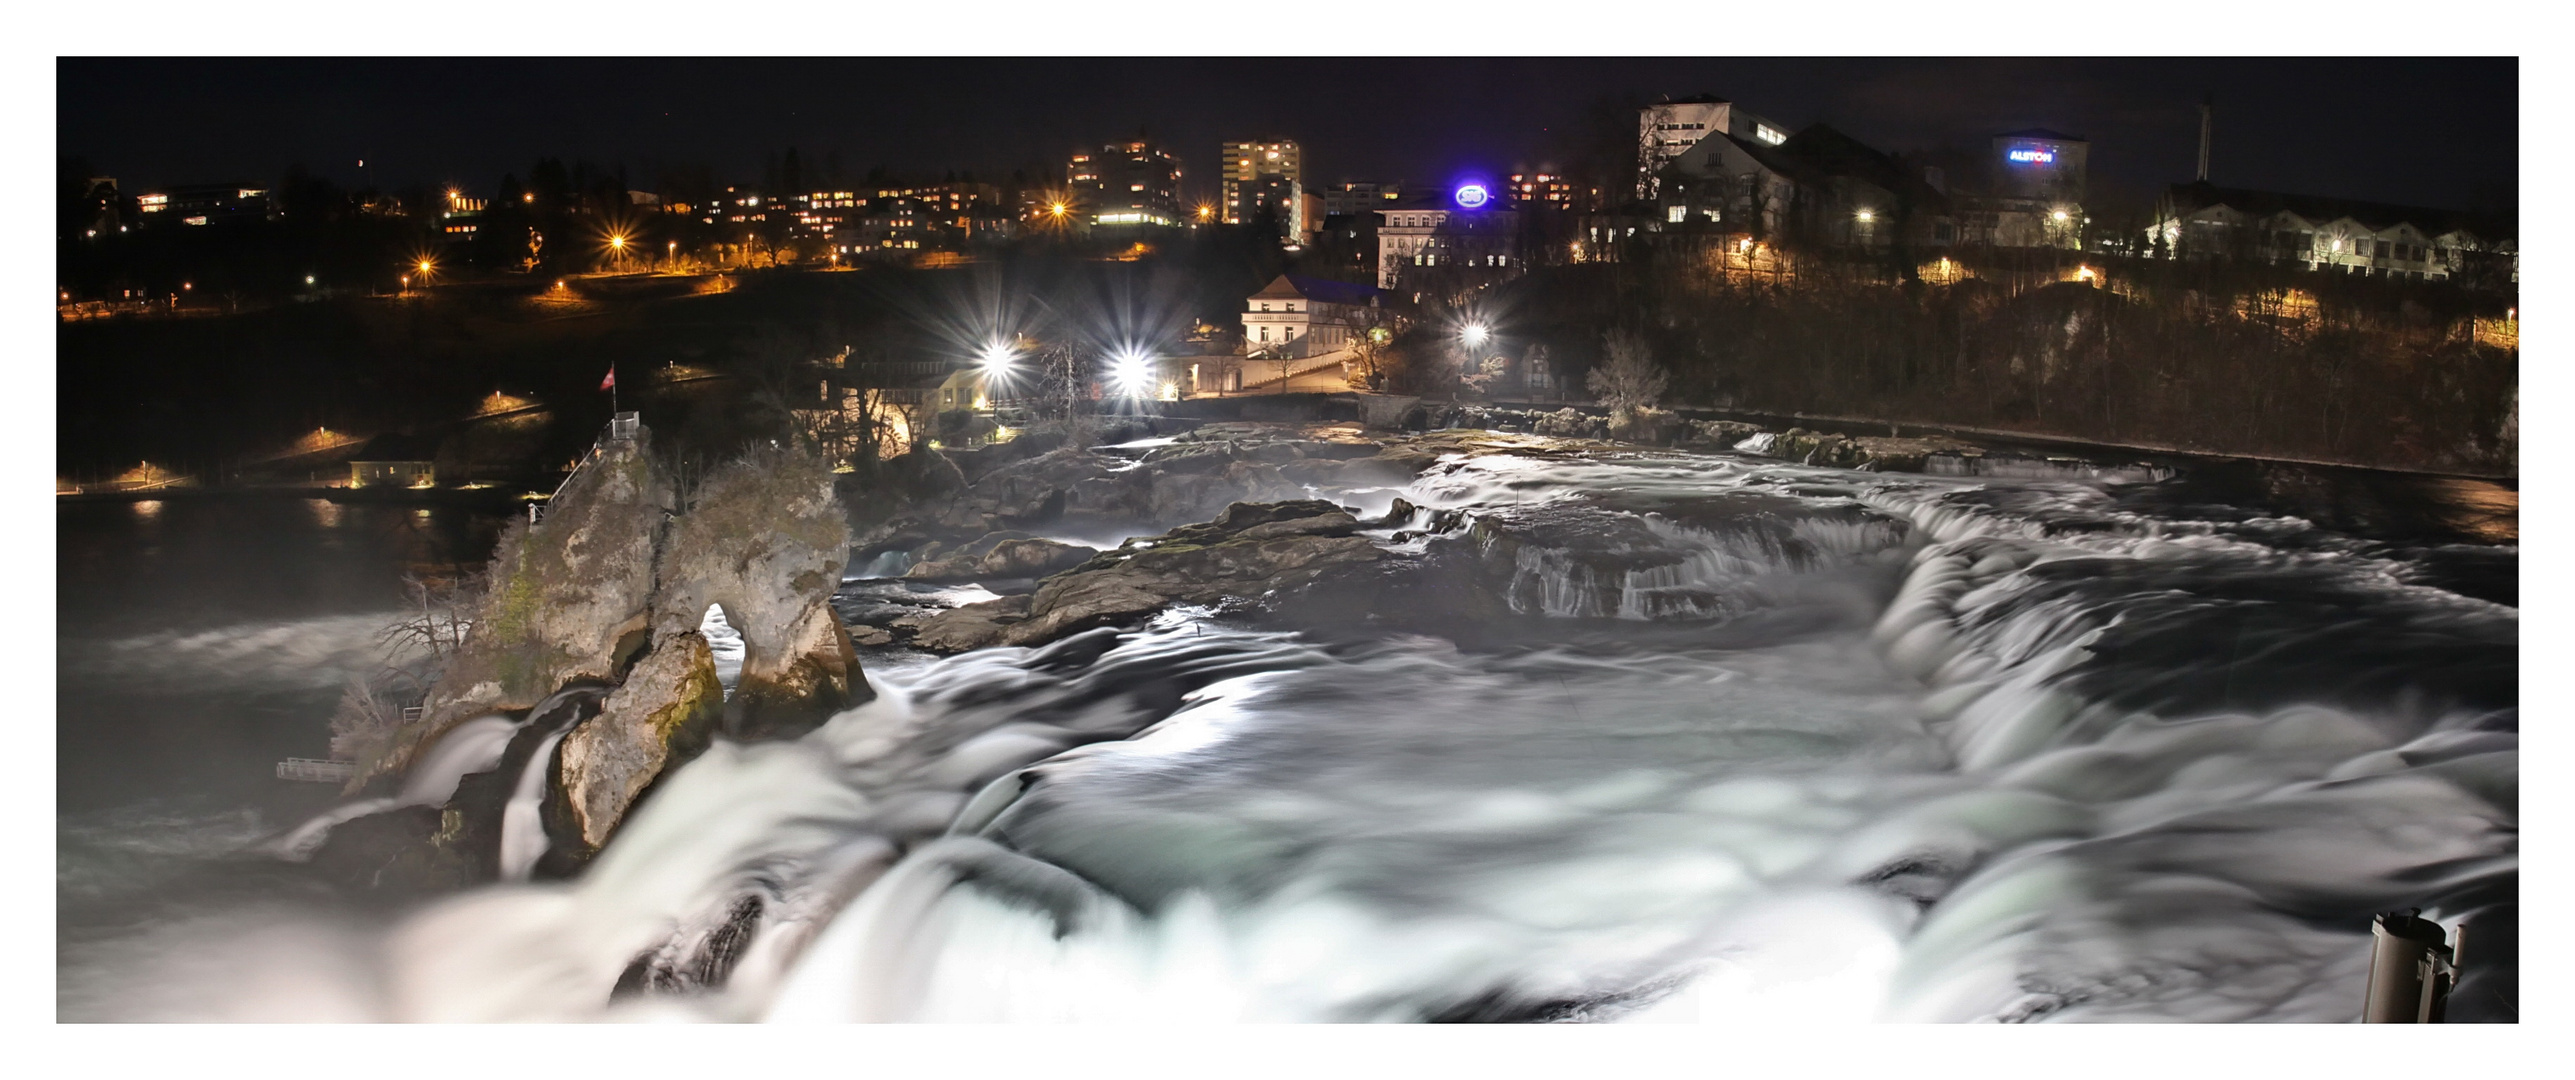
1128	183
1269	175
1669	128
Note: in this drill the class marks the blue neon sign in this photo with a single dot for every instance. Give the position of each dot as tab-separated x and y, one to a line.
2031	155
1471	196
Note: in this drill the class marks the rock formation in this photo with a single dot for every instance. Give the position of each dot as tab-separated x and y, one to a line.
610	588
1249	551
766	541
567	598
665	713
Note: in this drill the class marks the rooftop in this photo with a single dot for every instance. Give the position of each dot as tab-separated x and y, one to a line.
2195	196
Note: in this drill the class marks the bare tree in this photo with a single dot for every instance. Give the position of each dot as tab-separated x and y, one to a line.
1627	379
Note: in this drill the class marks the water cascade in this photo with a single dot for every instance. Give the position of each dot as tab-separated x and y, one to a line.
1733	739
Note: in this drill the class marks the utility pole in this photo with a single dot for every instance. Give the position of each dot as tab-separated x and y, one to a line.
2207	107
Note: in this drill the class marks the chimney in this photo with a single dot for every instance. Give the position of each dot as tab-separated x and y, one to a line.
2206	106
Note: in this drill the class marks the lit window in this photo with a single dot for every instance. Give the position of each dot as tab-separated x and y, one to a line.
1676	213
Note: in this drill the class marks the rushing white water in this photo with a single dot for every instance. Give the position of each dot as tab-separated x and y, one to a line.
1756	742
523	839
469	747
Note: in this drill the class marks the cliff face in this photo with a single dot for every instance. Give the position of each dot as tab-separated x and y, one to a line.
664	714
568	598
611	587
767	541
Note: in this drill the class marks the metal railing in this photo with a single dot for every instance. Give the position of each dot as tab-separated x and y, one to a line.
316	770
622	427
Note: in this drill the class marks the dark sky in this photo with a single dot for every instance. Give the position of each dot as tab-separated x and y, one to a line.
2440	132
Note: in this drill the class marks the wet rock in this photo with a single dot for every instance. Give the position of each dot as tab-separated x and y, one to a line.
766	542
568	598
1249	551
968	627
1653	427
665	714
1034	558
1721	433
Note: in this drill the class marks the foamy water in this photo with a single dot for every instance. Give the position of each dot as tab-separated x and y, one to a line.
1764	742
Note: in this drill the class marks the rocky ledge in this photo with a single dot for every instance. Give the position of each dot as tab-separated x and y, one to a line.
1251	550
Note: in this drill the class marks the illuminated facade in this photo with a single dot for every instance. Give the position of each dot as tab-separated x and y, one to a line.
1541	189
1669	128
1470	226
1314	314
2410	243
1266	175
2036	193
1127	184
201	204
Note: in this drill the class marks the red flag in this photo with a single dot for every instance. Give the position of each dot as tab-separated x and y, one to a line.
609	383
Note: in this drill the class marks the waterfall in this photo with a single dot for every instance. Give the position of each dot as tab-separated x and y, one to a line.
523	839
2010	750
469	747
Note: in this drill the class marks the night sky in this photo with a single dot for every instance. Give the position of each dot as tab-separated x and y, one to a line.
2440	133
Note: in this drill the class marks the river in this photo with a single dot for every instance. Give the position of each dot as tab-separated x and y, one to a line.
1655	736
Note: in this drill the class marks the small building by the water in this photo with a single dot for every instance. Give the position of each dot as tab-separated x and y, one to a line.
395	460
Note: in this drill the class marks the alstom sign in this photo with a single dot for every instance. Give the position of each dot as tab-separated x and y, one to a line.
2030	155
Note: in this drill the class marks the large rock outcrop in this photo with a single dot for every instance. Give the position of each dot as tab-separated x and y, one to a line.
610	588
567	598
766	541
665	713
1249	551
1009	555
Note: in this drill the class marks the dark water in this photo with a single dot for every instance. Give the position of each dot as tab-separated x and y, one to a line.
1664	736
199	638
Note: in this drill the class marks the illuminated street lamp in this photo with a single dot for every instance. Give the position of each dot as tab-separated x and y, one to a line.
996	359
1131	372
1474	335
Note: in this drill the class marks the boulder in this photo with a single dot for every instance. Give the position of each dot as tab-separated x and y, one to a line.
1650	426
1722	433
1034	558
665	713
968	627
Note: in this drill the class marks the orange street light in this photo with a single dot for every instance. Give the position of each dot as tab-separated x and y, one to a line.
425	267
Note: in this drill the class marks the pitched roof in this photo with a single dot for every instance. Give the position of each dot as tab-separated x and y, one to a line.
2186	198
1836	154
1696	99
